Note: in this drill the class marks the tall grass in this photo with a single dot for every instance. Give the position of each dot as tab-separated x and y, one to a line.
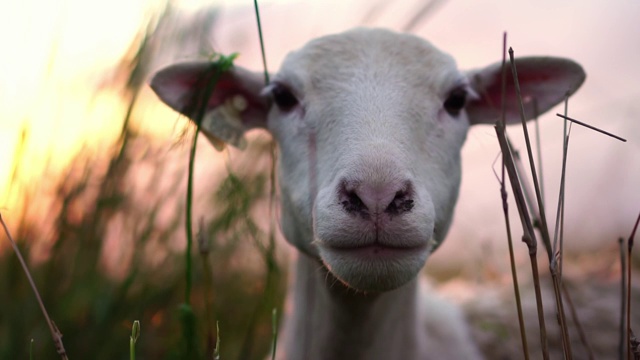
93	309
532	217
100	198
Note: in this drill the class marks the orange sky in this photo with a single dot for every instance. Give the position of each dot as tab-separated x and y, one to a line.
54	53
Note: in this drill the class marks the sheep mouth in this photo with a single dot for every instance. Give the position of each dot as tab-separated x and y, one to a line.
374	267
377	252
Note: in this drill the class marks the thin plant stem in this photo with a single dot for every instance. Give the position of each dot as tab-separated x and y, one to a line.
267	294
536	286
629	301
272	174
428	9
135	334
560	210
630	247
189	216
373	13
536	217
526	189
536	121
216	352
622	348
274	331
592	127
218	67
543	220
514	275
249	337
187	316
269	254
529	236
264	57
555	267
566	294
503	94
203	247
558	250
576	320
208	82
55	332
505	209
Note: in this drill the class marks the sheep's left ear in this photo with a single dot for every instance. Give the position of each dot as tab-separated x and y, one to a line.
225	100
546	79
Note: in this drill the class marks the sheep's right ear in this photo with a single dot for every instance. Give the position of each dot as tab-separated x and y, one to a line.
226	102
547	80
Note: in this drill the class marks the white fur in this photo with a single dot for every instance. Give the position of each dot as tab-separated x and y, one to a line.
369	131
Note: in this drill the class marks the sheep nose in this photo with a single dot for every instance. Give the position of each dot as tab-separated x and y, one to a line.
369	199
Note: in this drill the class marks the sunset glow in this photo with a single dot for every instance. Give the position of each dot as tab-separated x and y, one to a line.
56	56
56	53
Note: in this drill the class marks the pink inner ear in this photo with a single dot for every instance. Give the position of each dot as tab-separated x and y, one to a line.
196	86
547	86
183	87
545	80
179	84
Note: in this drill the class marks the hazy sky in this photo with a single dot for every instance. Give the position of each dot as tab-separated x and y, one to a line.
603	197
53	51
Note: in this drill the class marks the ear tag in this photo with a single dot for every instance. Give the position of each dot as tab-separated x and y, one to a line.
224	125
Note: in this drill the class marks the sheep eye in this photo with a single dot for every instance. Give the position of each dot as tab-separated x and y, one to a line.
456	101
283	97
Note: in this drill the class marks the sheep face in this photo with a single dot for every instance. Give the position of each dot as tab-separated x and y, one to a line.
369	153
370	124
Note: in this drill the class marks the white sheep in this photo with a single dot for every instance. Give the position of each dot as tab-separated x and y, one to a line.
369	124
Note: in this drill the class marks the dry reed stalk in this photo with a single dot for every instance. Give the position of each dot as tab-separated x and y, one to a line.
543	220
558	243
514	275
505	209
538	148
426	10
526	188
529	236
274	333
536	218
554	268
576	321
55	332
592	128
623	301
204	249
558	240
630	247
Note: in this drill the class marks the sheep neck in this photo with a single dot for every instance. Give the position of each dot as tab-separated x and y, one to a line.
327	320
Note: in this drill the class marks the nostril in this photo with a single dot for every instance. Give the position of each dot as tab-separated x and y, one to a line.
350	201
366	200
401	203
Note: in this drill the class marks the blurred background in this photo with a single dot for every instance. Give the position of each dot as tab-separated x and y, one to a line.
93	169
